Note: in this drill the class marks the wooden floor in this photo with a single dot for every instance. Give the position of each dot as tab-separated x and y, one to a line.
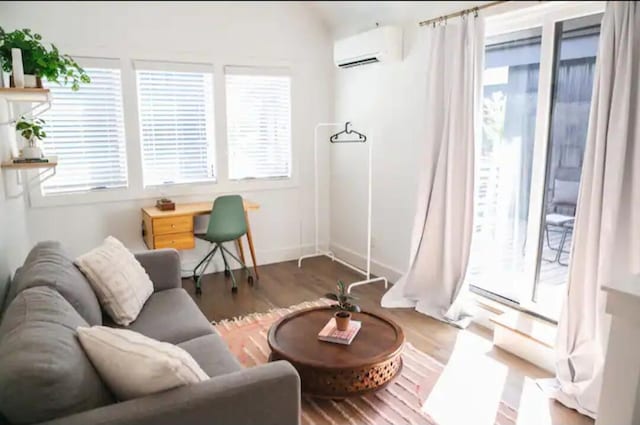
468	354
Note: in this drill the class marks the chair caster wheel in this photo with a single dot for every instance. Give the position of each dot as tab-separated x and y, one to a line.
198	291
234	290
227	273
250	280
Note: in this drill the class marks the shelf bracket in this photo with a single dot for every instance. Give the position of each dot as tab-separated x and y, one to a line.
33	111
41	177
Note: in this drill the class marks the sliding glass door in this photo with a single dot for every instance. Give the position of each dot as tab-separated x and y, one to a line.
575	58
537	88
504	161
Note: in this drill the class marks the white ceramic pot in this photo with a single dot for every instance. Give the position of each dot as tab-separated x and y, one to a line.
31	152
18	71
30	81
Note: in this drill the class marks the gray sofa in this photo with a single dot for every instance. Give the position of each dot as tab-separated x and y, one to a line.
46	378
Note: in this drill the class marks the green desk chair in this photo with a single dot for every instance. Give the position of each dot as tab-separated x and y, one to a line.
226	223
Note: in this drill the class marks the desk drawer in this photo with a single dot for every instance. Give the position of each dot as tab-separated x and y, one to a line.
169	225
184	240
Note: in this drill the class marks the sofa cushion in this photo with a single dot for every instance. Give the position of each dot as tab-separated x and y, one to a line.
171	316
44	372
134	365
118	279
212	355
49	265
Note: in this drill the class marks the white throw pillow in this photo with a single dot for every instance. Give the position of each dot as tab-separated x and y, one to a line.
133	365
118	279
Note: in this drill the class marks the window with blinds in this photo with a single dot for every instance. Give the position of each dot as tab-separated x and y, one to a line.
176	125
258	123
85	131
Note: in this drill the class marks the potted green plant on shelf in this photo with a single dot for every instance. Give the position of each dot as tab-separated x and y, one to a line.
345	306
38	61
32	130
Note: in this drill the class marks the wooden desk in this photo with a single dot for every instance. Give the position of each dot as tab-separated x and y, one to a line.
174	229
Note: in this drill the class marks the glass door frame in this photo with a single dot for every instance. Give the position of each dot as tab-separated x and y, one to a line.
546	16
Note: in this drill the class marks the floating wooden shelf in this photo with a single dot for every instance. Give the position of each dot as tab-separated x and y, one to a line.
17	90
9	165
47	171
13	94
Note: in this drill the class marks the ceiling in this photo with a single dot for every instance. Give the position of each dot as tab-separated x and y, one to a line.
350	17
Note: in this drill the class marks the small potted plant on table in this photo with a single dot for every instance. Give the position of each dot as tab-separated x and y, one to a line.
345	306
33	132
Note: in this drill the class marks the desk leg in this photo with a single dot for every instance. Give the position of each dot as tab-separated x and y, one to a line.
253	252
240	249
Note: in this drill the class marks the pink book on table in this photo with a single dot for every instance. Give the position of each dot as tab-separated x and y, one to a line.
330	332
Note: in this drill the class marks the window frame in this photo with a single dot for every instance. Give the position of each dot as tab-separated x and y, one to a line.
36	195
261	71
204	68
184	191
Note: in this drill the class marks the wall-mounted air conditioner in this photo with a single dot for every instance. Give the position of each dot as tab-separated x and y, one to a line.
379	45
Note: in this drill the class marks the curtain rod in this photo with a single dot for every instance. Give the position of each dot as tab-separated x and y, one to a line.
460	13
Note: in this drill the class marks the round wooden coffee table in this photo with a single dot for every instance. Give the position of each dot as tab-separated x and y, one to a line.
336	371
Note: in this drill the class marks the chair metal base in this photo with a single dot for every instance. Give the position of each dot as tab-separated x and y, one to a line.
197	276
565	231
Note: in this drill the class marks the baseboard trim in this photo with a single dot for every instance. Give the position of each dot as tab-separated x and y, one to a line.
190	259
377	268
264	257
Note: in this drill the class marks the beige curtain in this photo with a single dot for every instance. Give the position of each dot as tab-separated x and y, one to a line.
606	246
444	216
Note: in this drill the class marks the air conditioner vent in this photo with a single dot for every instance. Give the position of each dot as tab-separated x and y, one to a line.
358	62
379	45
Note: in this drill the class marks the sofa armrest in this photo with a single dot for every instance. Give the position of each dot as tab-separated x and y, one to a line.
163	267
268	394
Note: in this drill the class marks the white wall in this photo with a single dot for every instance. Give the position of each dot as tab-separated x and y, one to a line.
386	102
14	237
220	33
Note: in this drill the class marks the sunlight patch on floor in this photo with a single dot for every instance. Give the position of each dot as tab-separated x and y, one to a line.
470	387
534	405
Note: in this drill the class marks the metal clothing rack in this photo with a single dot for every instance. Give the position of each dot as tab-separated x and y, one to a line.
354	137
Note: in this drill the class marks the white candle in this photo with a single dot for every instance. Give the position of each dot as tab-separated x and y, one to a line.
18	71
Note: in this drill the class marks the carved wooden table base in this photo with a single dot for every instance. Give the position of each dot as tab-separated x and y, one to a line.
337	384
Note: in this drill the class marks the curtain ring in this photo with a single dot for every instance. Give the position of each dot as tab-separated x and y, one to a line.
475	12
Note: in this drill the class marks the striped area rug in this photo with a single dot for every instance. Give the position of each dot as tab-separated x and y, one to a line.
398	403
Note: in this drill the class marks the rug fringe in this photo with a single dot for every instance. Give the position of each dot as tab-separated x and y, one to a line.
257	315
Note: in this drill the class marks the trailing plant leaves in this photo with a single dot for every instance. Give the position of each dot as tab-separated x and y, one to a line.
40	61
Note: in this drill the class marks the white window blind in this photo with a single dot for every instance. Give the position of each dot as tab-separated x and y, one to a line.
258	123
85	131
176	125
